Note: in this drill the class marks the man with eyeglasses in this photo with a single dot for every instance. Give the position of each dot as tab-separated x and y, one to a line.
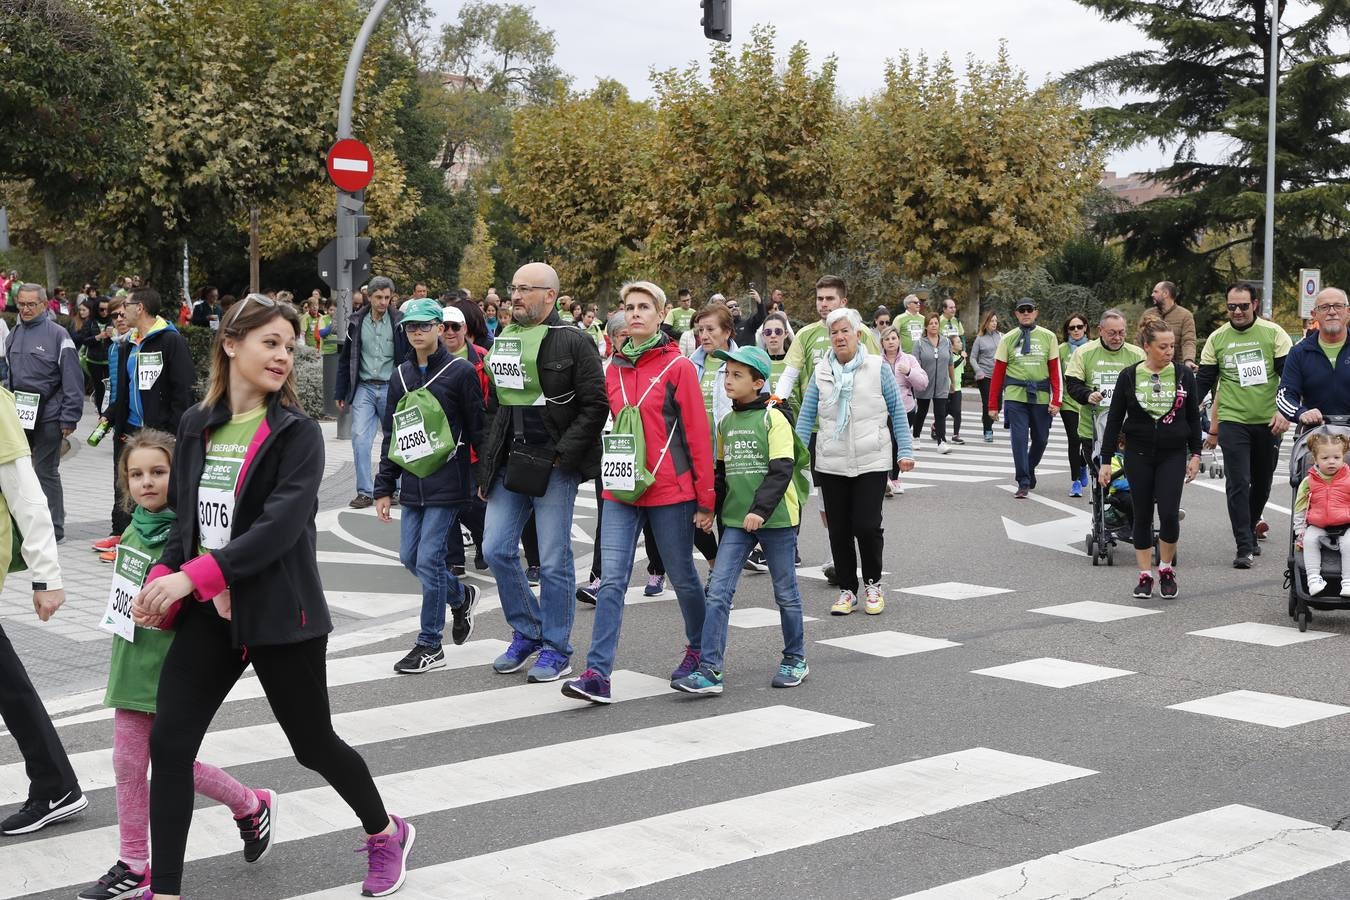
1242	362
549	404
909	324
1027	361
1093	369
375	347
1179	319
48	386
1316	378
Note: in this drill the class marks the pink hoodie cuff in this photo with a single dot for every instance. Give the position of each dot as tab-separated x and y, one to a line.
158	571
207	579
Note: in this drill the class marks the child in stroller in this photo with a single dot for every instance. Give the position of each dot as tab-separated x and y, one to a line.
1322	507
1119	513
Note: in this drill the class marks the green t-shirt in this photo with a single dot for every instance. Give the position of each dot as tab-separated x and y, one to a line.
1246	361
1033	366
13	445
463	352
1099	367
1066	402
133	671
1156	397
329	345
910	327
811	345
746	441
950	328
219	483
1332	351
680	319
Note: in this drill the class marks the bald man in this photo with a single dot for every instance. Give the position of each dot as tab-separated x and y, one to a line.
547	391
1316	377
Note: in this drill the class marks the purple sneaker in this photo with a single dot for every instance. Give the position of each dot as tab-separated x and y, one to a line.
656	584
388	859
516	655
687	665
590	686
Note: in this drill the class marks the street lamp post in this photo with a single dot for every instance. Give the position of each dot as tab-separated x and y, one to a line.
1273	76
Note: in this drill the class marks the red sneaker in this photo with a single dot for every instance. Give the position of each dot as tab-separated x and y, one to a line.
108	543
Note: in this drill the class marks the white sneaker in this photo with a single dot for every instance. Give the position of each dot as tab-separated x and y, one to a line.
916	443
890	488
1345	586
1316	584
943	448
897	486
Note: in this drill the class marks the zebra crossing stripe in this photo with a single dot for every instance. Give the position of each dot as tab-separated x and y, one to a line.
259	743
50	863
647	851
1214	855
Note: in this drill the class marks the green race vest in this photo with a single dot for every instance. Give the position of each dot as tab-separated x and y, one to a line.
513	363
422	440
1099	368
744	437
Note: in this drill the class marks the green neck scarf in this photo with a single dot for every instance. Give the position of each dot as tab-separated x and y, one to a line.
153	527
633	351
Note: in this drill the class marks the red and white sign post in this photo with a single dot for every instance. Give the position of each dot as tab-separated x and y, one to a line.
350	165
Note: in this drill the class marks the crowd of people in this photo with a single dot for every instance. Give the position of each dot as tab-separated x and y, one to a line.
703	424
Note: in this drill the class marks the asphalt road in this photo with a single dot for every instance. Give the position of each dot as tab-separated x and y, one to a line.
967	743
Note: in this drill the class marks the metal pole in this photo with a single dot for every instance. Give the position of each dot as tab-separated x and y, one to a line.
1268	279
342	293
187	286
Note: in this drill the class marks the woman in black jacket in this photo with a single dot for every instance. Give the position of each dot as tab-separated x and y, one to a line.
246	475
1156	409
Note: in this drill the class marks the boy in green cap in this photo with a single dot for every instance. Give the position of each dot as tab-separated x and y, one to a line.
758	473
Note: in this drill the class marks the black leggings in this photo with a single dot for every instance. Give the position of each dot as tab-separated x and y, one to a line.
983	385
199	671
954	409
939	417
1156	480
853	508
1080	449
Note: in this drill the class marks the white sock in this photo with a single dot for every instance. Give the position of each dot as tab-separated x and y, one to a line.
1164	567
1145	573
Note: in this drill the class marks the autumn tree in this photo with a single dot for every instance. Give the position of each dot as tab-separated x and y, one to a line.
578	174
1208	79
959	176
743	184
475	272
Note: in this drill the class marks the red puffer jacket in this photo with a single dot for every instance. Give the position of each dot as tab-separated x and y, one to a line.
665	387
1329	501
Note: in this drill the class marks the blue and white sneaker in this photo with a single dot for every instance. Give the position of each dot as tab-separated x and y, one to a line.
792	671
590	686
516	655
702	680
1076	489
550	666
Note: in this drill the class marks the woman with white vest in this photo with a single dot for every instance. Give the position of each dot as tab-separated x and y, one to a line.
852	394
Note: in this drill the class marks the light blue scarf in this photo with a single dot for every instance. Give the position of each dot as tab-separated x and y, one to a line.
1075	344
843	386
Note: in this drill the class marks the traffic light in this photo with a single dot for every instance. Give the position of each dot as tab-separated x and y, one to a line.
716	20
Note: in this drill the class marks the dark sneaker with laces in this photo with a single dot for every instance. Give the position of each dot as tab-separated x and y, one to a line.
1144	589
590	686
687	665
550	666
461	617
1167	583
586	592
755	561
516	655
792	671
830	576
532	575
656	586
420	659
1242	561
361	501
39	812
119	881
387	864
703	680
257	828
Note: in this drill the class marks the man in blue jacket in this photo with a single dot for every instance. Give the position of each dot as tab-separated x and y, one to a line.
1316	377
48	386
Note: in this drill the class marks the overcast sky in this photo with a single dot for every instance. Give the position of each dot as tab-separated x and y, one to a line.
624	39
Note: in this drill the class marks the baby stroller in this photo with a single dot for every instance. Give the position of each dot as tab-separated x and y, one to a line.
1112	507
1301	604
1211	461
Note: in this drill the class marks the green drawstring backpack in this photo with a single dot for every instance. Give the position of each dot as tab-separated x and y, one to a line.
623	464
422	441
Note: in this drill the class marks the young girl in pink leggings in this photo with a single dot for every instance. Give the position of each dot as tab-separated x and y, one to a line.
133	682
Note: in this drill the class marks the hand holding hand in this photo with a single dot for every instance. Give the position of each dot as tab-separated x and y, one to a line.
703	521
159	595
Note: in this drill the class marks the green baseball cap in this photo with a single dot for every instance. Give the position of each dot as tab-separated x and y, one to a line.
753	357
423	309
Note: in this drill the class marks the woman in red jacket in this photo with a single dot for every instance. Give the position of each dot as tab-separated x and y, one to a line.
649	373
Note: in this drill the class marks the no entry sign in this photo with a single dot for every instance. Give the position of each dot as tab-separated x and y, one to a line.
350	165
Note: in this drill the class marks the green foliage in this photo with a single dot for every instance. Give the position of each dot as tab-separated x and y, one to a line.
1208	79
66	83
475	272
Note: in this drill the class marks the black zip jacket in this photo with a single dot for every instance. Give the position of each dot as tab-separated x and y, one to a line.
574	414
1145	434
95	351
461	397
349	352
270	564
163	405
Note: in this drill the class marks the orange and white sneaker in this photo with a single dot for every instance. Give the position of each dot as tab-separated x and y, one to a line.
108	556
108	543
846	604
874	599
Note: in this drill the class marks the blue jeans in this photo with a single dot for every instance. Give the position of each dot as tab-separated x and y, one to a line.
780	549
1027	419
619	533
423	531
367	417
548	617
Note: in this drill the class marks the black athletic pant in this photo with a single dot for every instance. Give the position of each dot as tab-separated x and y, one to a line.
954	409
853	508
471	516
939	405
44	758
98	373
1156	480
1250	455
1080	449
198	672
983	385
